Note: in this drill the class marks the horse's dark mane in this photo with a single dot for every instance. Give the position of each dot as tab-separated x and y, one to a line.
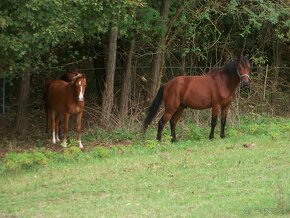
231	67
68	77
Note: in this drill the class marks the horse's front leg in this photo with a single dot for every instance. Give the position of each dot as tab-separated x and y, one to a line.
79	128
52	126
214	114
57	127
224	114
66	119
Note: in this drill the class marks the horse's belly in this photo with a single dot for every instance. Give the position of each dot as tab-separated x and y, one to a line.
74	110
57	106
198	102
199	105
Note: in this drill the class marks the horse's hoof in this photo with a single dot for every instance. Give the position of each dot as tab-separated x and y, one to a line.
222	136
211	137
64	144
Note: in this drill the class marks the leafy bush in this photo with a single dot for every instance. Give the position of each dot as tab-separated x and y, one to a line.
274	127
26	160
152	144
101	152
194	132
72	153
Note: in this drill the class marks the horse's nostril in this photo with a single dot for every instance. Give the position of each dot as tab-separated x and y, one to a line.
245	83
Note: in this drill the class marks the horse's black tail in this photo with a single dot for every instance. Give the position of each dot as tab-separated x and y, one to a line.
153	109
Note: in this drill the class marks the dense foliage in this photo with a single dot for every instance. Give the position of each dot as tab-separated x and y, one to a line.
38	37
41	33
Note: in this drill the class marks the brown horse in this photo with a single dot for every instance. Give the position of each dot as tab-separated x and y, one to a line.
214	90
69	76
65	98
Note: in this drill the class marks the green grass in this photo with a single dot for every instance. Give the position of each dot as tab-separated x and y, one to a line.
192	178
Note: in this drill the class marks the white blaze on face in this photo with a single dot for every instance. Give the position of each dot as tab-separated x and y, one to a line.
81	96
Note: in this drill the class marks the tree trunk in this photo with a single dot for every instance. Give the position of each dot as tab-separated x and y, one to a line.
108	96
21	117
126	83
100	76
158	58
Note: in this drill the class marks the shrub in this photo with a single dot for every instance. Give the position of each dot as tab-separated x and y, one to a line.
26	160
101	152
194	132
73	152
152	144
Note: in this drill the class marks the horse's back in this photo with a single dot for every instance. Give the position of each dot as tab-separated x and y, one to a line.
57	85
56	95
192	91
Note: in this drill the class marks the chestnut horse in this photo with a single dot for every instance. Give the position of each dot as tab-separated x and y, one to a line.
214	90
69	76
65	98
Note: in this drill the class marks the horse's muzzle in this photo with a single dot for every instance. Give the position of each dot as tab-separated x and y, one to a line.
245	84
245	89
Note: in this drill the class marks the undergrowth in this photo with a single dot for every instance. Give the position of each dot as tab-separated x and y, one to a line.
275	128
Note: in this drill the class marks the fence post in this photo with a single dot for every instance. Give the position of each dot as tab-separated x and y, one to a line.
265	83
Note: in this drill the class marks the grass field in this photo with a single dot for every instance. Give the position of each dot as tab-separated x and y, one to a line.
192	178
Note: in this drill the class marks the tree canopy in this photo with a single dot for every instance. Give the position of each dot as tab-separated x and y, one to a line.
34	33
40	34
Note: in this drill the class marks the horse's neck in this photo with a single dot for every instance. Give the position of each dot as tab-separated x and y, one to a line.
231	82
71	95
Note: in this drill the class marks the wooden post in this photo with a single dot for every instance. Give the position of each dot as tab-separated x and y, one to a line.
265	83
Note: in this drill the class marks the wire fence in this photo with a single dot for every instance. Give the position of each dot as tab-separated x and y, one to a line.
269	85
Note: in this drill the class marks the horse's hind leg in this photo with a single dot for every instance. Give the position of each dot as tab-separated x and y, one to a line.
166	116
173	121
57	127
47	112
52	126
224	114
214	114
79	128
66	118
